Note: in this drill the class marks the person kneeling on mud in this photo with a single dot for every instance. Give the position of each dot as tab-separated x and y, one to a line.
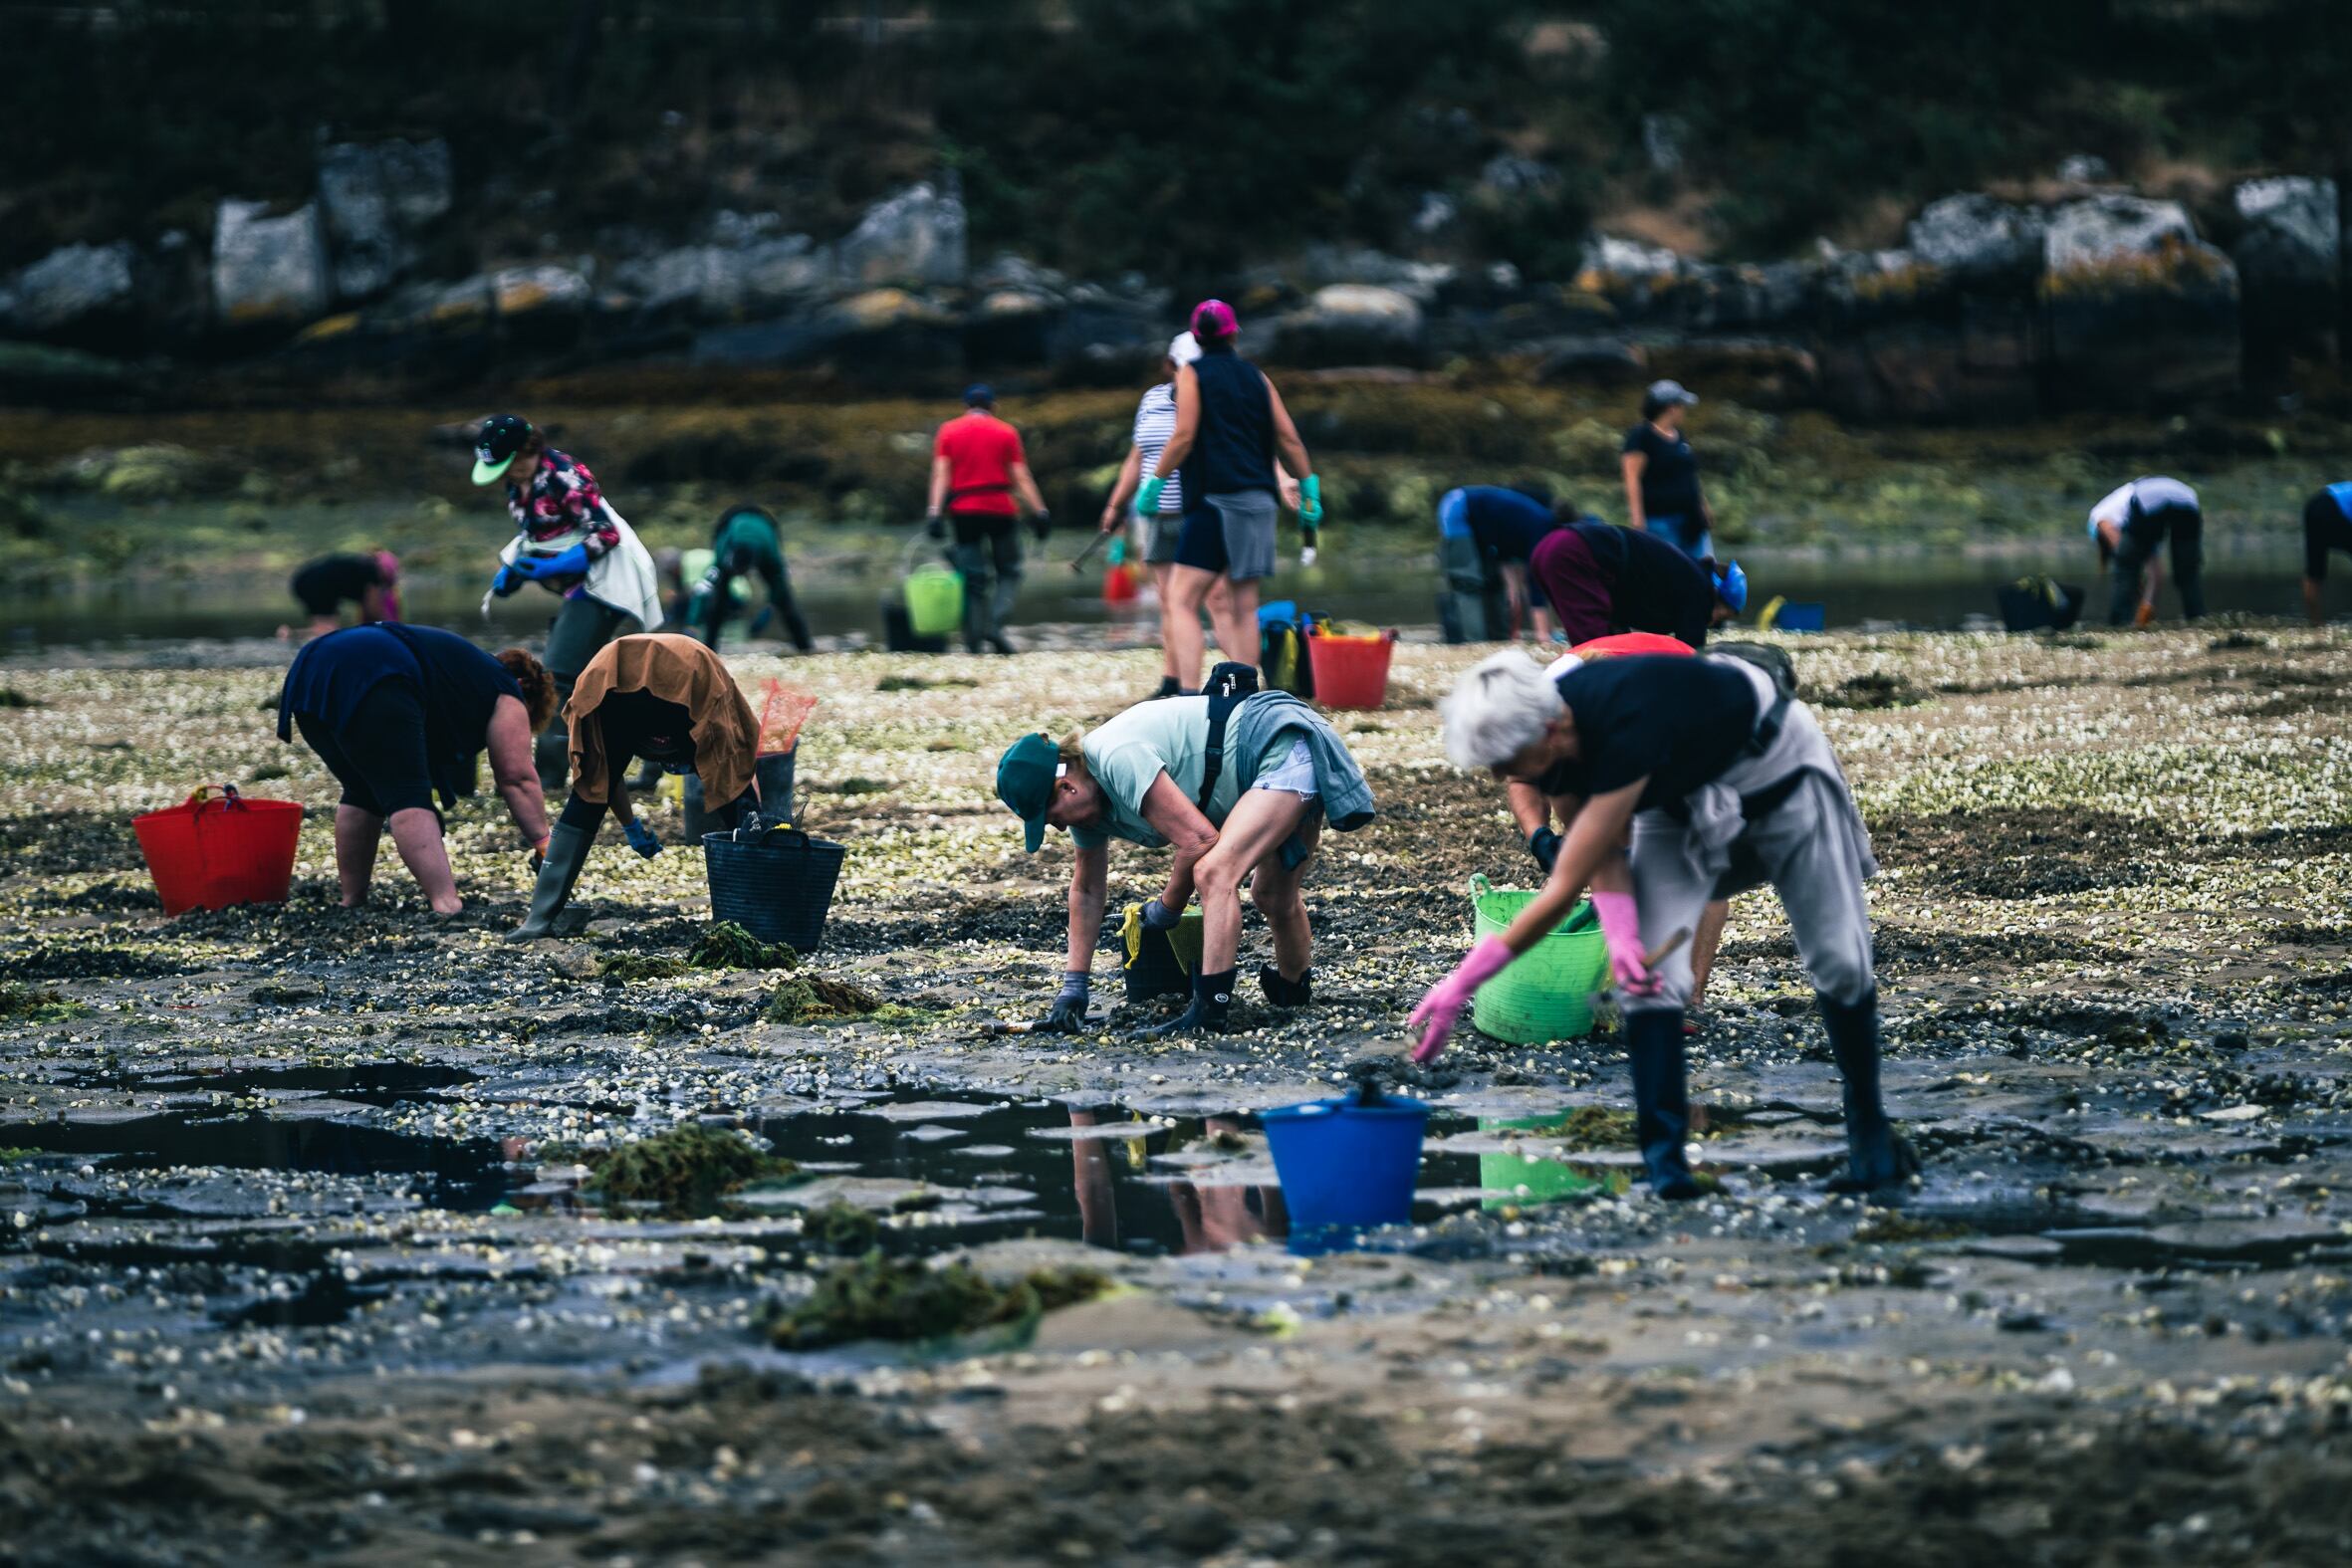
1254	814
1723	782
667	699
399	714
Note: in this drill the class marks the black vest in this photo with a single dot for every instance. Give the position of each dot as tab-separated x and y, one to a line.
1233	449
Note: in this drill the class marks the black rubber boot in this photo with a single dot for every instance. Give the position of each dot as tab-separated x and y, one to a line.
1168	688
567	853
1212	1000
1876	1157
1661	1100
1282	992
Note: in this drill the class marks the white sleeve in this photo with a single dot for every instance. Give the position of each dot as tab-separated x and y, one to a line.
2115	508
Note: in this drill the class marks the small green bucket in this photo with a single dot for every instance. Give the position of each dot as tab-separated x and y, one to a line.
1546	995
934	600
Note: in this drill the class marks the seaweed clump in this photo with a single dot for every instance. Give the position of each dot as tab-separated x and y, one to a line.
879	1298
683	1172
814	998
1874	689
624	969
726	945
36	1005
844	1229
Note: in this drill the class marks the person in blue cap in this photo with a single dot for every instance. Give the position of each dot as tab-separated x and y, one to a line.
978	469
1241	802
2327	527
1602	580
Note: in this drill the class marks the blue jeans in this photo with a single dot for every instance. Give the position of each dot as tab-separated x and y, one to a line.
1686	532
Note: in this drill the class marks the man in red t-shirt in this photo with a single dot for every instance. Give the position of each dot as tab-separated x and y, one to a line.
977	470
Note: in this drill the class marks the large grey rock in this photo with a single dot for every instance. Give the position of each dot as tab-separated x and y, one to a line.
1975	237
69	287
2291	229
267	272
916	236
374	200
2103	230
716	283
540	289
1355	324
1324	266
2138	311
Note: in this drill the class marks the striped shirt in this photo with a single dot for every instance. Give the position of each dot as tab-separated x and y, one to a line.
1155	421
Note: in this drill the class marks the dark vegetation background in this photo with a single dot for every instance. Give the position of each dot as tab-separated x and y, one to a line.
1178	138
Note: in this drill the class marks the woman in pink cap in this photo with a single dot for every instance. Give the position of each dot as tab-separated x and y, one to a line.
1230	424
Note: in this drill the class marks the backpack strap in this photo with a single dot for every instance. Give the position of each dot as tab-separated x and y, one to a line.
1230	684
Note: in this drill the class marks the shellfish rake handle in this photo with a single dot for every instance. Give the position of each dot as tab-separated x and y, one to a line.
1083	555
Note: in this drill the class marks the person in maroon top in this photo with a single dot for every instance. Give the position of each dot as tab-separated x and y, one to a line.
978	469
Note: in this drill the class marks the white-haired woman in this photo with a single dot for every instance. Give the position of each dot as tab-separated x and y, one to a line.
1719	782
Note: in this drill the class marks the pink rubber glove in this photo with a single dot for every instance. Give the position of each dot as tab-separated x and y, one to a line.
1620	928
1442	1007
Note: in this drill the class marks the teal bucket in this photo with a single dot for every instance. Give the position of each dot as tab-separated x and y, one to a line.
1547	994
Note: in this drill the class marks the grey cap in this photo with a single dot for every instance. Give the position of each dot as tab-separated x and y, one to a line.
1669	393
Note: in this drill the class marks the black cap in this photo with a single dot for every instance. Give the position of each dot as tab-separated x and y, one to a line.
980	395
502	436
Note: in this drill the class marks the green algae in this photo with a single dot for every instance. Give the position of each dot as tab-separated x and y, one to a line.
683	1172
880	1297
20	1004
726	945
816	997
627	969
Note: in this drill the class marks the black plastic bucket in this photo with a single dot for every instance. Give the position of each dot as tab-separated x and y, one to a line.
779	890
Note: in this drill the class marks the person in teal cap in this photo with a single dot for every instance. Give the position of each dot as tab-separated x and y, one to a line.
1251	809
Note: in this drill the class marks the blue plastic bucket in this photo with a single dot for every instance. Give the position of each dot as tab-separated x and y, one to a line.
1802	617
1346	1166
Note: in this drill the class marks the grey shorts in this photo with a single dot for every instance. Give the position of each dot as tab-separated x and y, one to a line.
1159	539
1232	534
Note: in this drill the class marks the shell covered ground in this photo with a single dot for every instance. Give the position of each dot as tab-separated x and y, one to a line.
312	1245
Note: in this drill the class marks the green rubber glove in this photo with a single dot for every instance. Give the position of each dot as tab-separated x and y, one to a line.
1117	553
1147	498
1310	501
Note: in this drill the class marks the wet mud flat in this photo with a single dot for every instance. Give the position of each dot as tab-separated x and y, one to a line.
310	1245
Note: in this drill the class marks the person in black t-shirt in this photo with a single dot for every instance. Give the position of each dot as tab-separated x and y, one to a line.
1601	579
1661	492
1681	780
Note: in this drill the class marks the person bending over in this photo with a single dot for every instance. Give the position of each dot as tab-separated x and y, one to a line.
399	714
1681	780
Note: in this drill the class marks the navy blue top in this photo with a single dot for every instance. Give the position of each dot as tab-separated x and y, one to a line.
1232	446
1506	525
456	683
1678	721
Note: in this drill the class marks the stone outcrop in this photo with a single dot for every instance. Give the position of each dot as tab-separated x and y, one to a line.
915	236
2290	259
2138	310
1355	324
267	273
73	287
375	200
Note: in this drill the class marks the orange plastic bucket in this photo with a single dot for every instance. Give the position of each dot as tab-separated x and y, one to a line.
209	853
1350	672
1119	584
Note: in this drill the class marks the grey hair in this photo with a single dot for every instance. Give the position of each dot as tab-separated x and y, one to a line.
1497	710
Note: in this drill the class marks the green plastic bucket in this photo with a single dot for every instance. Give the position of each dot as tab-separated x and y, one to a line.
934	600
1528	1180
1546	995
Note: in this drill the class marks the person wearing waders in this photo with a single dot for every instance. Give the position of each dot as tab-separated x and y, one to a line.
747	542
369	582
1662	491
568	541
1240	784
2131	525
1504	526
1229	426
1720	782
666	698
977	469
399	714
2328	526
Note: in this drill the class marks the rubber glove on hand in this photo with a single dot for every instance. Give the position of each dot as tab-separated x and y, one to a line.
1147	496
1310	501
641	837
1067	1015
935	526
1620	928
1041	525
571	562
1543	844
1159	917
507	583
1442	1007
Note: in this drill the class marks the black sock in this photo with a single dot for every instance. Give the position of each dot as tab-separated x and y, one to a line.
1213	994
1283	993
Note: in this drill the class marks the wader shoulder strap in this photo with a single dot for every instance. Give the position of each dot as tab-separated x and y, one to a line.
1230	684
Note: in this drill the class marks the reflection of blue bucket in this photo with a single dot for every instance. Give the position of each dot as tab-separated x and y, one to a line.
1802	617
1346	1166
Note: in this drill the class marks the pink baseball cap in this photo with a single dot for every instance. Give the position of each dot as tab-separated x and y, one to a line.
1213	318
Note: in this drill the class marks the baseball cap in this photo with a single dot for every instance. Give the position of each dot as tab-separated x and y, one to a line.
1184	349
1025	782
1671	392
502	437
1213	318
980	395
1731	587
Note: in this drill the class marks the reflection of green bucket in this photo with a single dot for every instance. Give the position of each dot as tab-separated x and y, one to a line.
934	600
1528	1181
1545	996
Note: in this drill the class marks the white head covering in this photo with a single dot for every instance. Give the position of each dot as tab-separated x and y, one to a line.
1184	349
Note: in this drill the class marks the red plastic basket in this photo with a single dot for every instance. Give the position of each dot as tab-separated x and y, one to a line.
208	853
1120	585
1350	672
1625	643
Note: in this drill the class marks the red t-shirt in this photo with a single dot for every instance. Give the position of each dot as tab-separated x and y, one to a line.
981	450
